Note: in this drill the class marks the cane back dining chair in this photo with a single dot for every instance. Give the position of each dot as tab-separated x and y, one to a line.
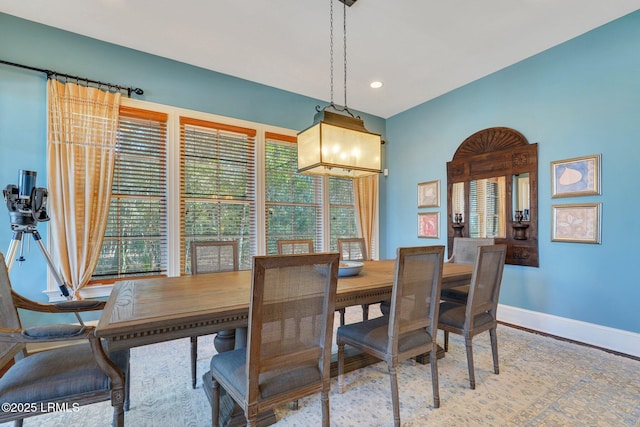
479	313
211	257
353	249
465	250
66	376
290	335
301	246
411	327
290	247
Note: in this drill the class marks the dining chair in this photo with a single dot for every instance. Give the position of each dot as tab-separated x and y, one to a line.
289	337
353	249
479	313
59	378
301	246
212	256
464	251
411	327
289	247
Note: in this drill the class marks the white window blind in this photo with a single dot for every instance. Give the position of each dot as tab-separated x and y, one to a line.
135	238
217	182
342	210
486	200
293	201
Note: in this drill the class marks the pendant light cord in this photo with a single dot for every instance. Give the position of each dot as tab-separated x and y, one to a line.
331	47
344	109
344	32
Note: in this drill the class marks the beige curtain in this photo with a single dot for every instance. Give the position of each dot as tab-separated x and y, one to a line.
365	191
82	130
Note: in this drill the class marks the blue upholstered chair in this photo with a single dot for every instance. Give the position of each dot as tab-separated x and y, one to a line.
289	338
353	249
301	246
212	256
70	375
479	313
411	326
464	251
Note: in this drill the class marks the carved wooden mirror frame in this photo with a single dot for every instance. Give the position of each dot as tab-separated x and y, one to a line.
494	152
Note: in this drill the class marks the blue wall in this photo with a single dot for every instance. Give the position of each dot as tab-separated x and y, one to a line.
576	99
579	98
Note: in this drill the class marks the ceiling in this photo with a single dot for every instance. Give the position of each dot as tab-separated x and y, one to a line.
419	49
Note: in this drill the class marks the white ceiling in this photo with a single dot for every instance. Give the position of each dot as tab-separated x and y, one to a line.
420	49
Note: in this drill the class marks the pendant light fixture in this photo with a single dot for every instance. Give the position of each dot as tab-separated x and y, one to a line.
337	143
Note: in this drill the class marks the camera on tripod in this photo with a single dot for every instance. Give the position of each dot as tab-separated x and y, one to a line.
26	202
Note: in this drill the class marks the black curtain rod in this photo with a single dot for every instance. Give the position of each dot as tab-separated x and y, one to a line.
53	74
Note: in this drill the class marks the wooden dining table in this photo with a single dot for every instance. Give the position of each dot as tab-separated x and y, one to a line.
154	310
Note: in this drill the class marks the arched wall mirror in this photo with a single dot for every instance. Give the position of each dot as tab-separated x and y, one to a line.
492	191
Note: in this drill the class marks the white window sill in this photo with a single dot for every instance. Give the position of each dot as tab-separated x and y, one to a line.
94	291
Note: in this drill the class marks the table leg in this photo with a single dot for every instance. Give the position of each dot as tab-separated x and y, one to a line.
225	340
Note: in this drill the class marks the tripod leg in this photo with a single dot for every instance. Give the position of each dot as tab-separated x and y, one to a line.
54	272
13	247
61	284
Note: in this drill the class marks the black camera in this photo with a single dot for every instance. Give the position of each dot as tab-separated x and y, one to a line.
26	203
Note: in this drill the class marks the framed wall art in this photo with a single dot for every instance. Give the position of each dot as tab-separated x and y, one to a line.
429	224
577	223
429	194
579	176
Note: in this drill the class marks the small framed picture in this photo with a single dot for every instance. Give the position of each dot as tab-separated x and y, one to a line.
579	176
579	223
429	194
429	224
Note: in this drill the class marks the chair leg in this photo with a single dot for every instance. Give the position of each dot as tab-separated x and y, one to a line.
341	368
324	397
118	415
365	311
393	378
433	360
194	358
446	341
494	349
472	377
17	423
343	313
215	402
127	387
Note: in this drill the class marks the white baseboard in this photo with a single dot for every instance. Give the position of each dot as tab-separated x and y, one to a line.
601	336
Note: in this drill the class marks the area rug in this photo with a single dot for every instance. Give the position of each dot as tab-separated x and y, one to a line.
542	382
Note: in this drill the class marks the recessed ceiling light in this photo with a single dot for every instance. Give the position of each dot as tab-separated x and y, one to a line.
376	85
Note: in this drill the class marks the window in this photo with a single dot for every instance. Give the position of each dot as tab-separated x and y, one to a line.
487	199
293	201
135	242
342	210
182	175
217	182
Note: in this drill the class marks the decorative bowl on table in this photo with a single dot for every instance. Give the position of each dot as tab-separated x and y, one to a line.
349	268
